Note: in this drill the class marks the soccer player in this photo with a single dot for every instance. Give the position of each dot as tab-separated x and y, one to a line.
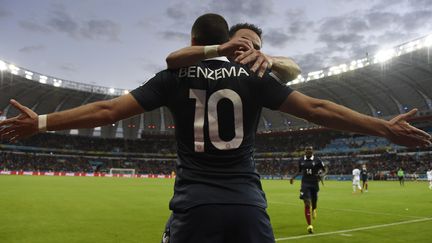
401	176
364	178
429	178
312	170
216	106
243	36
356	179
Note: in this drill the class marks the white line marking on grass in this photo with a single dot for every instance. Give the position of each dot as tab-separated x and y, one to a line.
355	211
355	229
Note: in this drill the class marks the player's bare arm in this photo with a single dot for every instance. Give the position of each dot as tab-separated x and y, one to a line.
329	114
295	175
100	113
193	54
325	172
283	67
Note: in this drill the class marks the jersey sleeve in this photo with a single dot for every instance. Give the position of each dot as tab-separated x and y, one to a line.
272	91
154	93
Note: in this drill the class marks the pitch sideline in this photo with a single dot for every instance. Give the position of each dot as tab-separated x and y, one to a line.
355	229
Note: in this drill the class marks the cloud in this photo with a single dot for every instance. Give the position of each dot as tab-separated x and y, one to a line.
176	12
385	4
184	13
33	26
4	13
276	38
339	39
68	67
417	19
310	61
175	35
420	4
100	29
62	22
29	49
237	10
382	20
296	27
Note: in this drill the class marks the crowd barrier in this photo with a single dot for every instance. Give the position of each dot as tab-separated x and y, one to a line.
81	174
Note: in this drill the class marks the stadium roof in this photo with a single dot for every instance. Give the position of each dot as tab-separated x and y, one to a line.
386	84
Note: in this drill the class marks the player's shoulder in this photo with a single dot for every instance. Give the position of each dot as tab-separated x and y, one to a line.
172	72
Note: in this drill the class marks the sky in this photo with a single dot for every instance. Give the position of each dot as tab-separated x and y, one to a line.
122	43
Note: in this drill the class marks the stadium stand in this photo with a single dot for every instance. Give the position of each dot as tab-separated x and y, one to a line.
381	86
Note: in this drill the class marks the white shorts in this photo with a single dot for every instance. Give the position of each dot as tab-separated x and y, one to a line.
356	182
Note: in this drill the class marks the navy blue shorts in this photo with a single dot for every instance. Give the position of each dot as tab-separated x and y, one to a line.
309	192
221	223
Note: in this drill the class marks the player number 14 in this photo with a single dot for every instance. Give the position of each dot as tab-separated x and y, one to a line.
200	102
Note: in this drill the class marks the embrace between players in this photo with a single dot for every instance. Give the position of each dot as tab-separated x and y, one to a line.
218	195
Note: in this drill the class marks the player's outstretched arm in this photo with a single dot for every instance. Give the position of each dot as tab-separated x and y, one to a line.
329	114
100	113
193	54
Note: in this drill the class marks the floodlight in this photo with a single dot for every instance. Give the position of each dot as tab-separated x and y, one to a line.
28	75
43	79
14	69
3	66
427	42
384	55
57	82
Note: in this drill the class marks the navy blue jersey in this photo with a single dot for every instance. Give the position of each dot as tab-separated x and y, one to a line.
216	107
364	174
310	168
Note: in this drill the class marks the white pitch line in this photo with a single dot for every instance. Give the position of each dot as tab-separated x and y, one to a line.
355	229
355	211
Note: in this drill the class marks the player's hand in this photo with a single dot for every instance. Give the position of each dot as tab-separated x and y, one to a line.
229	48
258	61
21	126
402	133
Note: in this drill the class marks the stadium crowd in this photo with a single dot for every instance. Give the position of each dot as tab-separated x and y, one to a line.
276	154
380	167
265	142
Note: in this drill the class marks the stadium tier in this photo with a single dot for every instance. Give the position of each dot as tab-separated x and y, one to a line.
384	85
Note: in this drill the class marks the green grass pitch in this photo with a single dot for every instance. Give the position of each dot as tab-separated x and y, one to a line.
85	209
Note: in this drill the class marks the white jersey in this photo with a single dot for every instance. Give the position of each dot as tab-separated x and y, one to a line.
356	174
429	175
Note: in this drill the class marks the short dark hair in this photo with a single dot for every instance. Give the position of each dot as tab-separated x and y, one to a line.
240	26
210	29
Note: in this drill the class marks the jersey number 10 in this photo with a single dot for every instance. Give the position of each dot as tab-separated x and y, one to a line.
200	102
